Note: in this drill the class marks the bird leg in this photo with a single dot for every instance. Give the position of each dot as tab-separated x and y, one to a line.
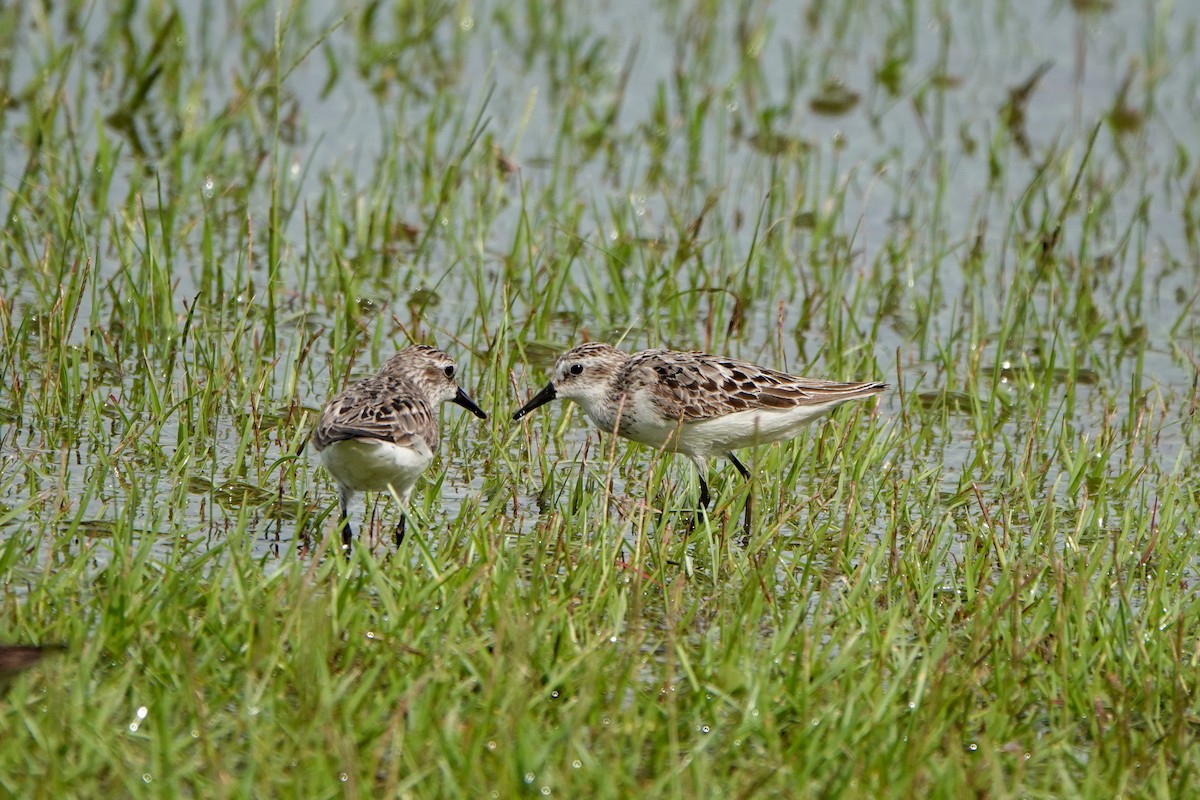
347	531
400	527
749	496
740	466
345	495
704	498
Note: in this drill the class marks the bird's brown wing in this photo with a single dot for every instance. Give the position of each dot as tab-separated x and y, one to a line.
401	419
700	386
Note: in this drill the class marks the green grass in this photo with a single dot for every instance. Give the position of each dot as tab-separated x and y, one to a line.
984	584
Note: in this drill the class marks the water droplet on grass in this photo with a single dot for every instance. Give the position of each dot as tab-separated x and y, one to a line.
138	717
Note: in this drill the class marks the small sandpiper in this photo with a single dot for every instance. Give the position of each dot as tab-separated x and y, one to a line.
693	403
379	435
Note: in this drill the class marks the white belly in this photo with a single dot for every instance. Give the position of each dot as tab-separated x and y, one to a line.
366	465
722	434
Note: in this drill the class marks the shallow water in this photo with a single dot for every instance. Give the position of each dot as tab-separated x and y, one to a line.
923	172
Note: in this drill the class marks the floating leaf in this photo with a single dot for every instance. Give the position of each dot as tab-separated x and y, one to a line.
953	402
424	298
285	508
238	494
833	100
198	484
777	144
96	528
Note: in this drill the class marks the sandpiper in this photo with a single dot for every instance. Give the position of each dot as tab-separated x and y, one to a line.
379	434
693	403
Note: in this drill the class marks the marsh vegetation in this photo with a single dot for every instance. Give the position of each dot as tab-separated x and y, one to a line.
217	214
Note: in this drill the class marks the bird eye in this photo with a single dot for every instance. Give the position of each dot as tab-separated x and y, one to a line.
576	369
449	371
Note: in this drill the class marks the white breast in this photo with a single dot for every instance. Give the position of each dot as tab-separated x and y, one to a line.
370	465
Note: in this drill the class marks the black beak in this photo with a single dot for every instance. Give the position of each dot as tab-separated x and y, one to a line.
461	399
539	399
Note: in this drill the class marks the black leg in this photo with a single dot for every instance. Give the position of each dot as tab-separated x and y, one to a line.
740	466
400	529
749	497
705	497
347	531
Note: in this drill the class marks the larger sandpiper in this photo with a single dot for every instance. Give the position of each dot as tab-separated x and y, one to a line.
379	434
693	403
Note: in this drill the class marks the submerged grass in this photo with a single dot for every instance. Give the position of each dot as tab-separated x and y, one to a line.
983	584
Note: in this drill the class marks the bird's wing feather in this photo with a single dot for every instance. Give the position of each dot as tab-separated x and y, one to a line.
400	419
703	386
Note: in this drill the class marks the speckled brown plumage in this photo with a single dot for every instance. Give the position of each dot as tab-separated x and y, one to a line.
693	386
393	405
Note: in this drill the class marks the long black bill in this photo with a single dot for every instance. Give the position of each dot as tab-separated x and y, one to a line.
461	399
539	399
